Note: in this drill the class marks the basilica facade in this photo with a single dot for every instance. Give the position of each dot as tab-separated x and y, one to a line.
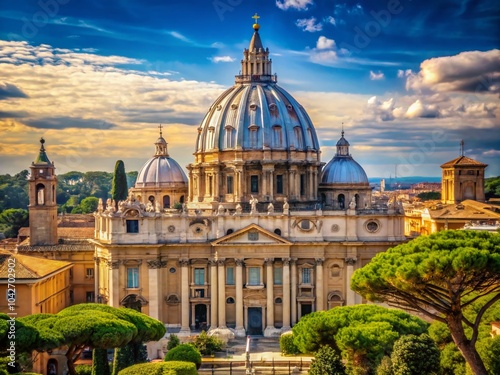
258	234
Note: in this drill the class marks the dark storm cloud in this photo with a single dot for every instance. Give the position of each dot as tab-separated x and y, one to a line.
64	122
13	114
8	90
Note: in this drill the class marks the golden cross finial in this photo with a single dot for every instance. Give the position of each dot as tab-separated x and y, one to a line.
160	126
256	17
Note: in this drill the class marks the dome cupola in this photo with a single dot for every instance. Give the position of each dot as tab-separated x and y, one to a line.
161	179
252	138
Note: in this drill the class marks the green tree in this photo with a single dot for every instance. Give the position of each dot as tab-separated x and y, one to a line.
119	189
184	352
429	195
14	190
14	219
363	333
326	362
489	349
439	275
86	206
100	364
131	178
173	341
415	355
208	345
492	187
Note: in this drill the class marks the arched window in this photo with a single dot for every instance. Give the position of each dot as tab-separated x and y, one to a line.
356	199
40	194
181	199
277	231
166	201
341	201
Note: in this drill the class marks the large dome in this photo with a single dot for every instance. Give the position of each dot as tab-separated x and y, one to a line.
161	170
343	169
256	116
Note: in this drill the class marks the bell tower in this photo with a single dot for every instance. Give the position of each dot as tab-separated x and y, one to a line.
42	194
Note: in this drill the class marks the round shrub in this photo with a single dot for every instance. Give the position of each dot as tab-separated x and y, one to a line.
184	352
415	355
287	345
161	368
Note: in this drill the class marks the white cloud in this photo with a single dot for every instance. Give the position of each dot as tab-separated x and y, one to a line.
324	57
376	76
218	59
470	71
325	43
330	20
309	24
404	73
419	109
294	4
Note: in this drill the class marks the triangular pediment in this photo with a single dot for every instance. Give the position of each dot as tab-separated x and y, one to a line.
251	234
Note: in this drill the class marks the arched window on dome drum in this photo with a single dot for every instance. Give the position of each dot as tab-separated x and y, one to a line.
277	136
254	134
166	201
299	137
356	199
230	135
309	137
341	201
210	139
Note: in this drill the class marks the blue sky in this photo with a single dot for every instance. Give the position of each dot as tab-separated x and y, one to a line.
408	79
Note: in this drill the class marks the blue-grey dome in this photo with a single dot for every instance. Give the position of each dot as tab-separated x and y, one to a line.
343	169
258	116
161	170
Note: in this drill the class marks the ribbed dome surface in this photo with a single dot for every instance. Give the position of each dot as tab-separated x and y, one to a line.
256	116
343	170
160	171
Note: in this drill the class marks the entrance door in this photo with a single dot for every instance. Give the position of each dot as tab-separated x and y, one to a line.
254	321
200	317
305	308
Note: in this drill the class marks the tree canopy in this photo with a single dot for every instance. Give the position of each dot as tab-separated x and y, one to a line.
13	219
439	275
362	333
119	188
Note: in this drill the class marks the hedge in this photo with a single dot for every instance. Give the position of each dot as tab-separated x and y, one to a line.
161	368
184	352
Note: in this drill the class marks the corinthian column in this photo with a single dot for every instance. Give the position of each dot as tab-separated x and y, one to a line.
293	291
213	294
184	263
319	284
270	293
222	293
240	330
286	294
154	267
350	295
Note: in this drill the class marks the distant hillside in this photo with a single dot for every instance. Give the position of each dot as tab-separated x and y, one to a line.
405	180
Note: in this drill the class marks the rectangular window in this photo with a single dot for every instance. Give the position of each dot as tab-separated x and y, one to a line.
89	296
199	276
306	276
132	226
90	273
254	184
254	276
279	184
302	184
230	276
278	276
133	277
229	185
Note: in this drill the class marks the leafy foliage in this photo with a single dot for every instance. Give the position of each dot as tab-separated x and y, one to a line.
14	190
161	368
385	366
173	341
119	188
429	196
83	369
415	355
86	206
100	364
14	219
326	362
439	275
363	333
287	345
184	352
208	345
492	187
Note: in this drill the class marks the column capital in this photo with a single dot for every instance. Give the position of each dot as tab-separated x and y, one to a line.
156	264
184	262
221	261
319	261
212	261
115	264
97	260
286	261
350	261
269	261
239	262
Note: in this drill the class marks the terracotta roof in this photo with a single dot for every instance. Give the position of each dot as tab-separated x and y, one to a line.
463	161
76	233
28	267
466	210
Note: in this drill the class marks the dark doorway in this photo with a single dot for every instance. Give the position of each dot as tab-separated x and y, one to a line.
52	367
254	321
200	317
305	308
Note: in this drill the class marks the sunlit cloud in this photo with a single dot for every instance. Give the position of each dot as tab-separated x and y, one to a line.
293	4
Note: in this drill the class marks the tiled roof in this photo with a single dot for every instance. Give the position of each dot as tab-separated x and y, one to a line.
28	267
466	210
463	161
